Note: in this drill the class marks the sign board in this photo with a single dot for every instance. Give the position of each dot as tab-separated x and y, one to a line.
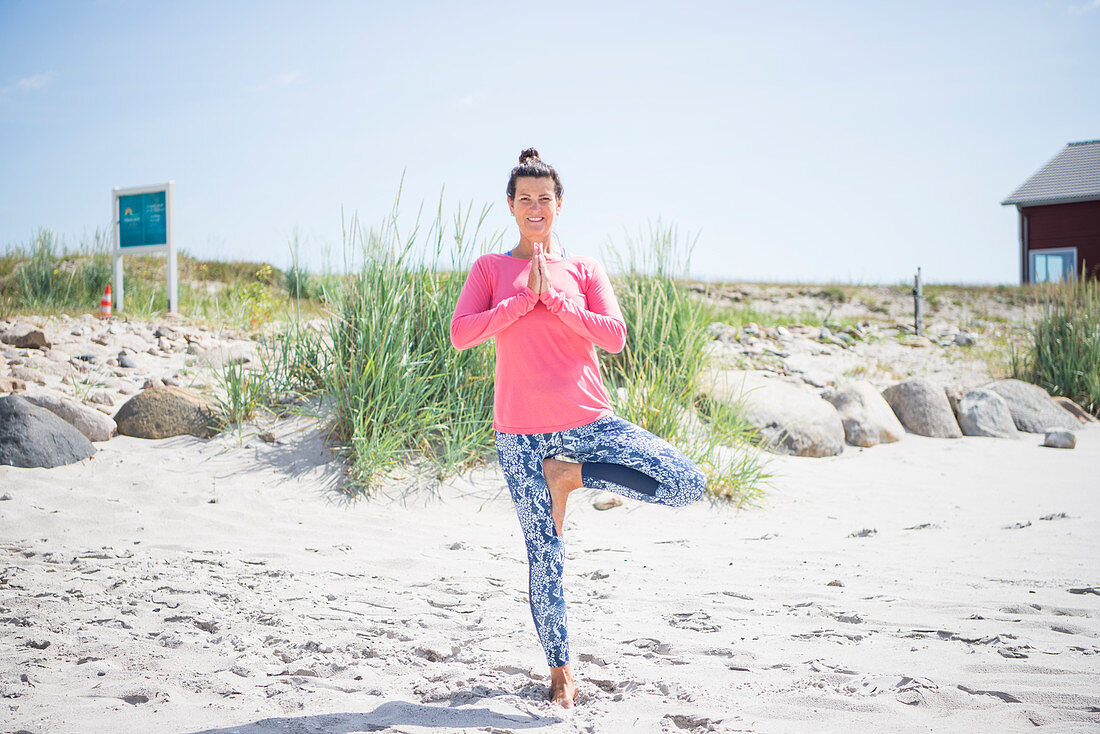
142	219
144	222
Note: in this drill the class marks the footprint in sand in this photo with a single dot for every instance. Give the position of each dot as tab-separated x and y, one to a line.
695	621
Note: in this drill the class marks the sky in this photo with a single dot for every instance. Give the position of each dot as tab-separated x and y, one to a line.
847	142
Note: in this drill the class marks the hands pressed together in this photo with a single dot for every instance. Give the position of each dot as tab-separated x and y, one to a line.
538	279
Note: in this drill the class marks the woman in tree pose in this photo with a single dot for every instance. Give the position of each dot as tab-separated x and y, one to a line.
548	313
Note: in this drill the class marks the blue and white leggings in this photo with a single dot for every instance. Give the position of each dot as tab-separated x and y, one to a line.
615	455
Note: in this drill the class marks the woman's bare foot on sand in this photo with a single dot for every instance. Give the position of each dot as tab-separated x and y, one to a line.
562	477
563	689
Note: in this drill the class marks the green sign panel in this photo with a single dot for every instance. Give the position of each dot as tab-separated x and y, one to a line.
142	220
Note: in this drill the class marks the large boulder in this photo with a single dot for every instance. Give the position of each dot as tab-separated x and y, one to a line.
164	411
789	419
25	336
94	425
922	407
31	436
865	415
1032	408
985	413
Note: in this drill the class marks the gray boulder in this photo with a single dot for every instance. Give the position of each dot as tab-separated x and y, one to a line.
31	436
94	425
985	413
790	420
1060	439
161	412
865	415
1032	408
922	408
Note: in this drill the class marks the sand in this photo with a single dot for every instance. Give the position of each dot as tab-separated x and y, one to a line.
225	585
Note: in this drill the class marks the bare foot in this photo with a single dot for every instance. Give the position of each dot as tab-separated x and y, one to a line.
562	477
563	689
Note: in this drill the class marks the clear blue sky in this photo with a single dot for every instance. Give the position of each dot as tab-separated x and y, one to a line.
803	141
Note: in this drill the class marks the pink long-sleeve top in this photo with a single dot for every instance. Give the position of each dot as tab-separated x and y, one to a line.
547	375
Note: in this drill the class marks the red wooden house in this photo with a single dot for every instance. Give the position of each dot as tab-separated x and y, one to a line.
1060	216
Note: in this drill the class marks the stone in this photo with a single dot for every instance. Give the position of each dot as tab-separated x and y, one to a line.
101	397
1032	408
606	501
1082	415
161	412
124	360
922	408
222	356
31	436
24	336
788	419
964	339
1060	438
94	425
12	384
865	415
985	413
28	374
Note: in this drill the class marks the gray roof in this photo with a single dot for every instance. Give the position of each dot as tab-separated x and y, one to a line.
1072	175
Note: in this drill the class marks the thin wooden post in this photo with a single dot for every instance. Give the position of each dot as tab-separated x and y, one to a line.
918	315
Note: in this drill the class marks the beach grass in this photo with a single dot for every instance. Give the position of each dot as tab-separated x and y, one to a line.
1062	353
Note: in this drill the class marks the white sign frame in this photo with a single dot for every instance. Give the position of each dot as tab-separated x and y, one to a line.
169	247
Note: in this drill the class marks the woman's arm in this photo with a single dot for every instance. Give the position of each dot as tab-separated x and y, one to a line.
476	319
602	322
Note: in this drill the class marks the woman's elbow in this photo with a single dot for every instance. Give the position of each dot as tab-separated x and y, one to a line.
617	341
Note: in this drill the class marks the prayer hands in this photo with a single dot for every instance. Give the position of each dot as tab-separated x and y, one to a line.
538	279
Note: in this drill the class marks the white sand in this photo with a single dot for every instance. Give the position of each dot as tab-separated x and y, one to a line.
282	608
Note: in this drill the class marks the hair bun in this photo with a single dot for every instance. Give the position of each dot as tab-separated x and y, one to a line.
528	154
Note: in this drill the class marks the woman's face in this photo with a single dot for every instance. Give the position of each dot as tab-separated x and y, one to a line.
535	207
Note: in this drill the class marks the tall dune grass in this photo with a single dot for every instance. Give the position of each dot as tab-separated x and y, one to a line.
1063	355
656	376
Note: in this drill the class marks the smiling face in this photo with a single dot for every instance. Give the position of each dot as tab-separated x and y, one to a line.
535	207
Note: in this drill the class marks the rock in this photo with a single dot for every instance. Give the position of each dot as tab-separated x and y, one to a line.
124	360
12	384
101	397
923	408
913	340
1060	439
31	436
1082	415
94	425
985	413
228	354
964	339
790	420
28	374
57	355
160	412
607	500
24	336
865	415
1032	408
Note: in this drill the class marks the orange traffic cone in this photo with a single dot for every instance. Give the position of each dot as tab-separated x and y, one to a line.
105	303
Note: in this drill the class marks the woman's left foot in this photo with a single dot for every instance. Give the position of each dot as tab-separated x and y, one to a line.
562	477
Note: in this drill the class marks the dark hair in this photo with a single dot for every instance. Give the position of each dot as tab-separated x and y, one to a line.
531	166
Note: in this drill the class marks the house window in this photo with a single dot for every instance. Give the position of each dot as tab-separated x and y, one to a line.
1053	265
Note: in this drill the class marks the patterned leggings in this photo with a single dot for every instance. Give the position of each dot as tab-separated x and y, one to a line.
617	456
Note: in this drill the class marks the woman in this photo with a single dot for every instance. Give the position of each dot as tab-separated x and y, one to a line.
548	313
